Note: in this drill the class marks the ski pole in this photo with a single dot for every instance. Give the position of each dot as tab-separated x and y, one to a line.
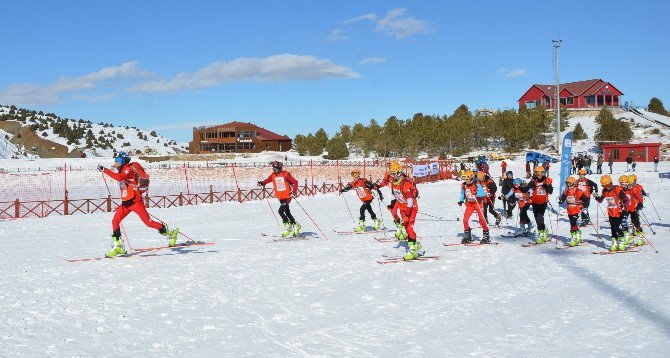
310	218
557	213
644	216
348	210
163	222
125	236
654	206
273	212
648	242
381	214
438	217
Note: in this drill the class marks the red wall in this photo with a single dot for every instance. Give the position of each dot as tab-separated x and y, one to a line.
640	153
533	94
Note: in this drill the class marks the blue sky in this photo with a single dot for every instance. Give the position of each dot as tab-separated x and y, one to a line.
295	66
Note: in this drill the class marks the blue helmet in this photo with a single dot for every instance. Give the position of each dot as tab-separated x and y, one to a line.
516	181
122	157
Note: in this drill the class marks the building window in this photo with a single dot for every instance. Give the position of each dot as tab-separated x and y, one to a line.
229	147
246	146
590	99
202	136
530	104
563	101
246	134
615	153
571	100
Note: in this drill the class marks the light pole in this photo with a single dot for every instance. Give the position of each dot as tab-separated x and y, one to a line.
557	44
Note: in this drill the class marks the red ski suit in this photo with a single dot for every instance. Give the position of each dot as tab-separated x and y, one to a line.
473	203
283	184
405	201
131	199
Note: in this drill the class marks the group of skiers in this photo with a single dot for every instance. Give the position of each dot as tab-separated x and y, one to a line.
477	194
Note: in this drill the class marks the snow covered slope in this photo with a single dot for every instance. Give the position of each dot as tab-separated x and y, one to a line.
7	149
119	137
249	296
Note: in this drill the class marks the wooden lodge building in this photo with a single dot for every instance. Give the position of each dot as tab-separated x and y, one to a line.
576	95
237	137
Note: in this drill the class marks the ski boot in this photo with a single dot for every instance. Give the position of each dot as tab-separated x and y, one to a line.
296	229
486	239
401	232
622	243
640	238
288	231
615	245
467	237
117	248
541	237
360	227
413	252
378	223
576	238
170	234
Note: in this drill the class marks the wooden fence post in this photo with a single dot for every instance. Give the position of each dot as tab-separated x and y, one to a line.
65	205
17	209
109	203
211	195
181	199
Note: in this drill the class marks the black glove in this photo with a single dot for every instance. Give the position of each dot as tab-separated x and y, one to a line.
561	201
389	207
294	194
341	191
260	183
639	206
460	203
101	168
381	197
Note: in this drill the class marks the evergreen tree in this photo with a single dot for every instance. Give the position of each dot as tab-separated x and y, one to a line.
578	133
337	148
321	138
345	133
612	129
656	106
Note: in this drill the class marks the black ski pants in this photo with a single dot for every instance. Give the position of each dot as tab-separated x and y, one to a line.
538	213
615	227
285	212
366	206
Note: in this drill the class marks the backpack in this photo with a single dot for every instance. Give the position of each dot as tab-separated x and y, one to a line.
142	177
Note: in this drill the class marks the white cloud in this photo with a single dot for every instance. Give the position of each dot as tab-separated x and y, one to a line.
400	26
337	35
278	68
366	17
508	73
372	60
32	94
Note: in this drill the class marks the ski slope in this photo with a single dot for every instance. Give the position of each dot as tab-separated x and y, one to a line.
250	296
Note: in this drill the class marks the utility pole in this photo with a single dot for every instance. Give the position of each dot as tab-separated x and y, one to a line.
557	44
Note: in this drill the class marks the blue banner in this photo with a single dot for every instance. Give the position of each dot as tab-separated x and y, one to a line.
566	157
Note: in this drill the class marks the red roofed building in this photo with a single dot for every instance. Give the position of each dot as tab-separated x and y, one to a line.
237	137
583	94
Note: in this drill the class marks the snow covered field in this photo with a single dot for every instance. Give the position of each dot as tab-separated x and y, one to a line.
247	295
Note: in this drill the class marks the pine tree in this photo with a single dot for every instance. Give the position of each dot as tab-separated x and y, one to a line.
612	129
656	106
578	133
321	140
337	148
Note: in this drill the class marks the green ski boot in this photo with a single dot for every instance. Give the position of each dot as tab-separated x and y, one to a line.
541	236
288	230
117	248
360	227
615	245
400	233
378	223
639	241
622	243
413	252
171	235
296	229
576	238
627	238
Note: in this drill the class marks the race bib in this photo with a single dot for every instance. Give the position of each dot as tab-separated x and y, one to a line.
519	196
610	202
540	190
571	200
361	192
399	197
582	186
470	196
281	184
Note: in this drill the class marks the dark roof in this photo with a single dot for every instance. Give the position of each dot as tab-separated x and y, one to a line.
576	88
263	133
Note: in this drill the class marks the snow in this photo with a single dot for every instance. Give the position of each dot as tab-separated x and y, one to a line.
7	148
249	296
153	145
659	117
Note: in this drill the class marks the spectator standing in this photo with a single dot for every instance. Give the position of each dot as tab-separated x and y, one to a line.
503	168
656	163
599	167
629	161
610	162
589	160
634	164
574	165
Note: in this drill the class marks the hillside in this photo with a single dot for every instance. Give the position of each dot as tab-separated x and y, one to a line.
29	133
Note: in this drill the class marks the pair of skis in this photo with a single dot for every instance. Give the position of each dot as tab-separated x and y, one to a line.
397	259
145	251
